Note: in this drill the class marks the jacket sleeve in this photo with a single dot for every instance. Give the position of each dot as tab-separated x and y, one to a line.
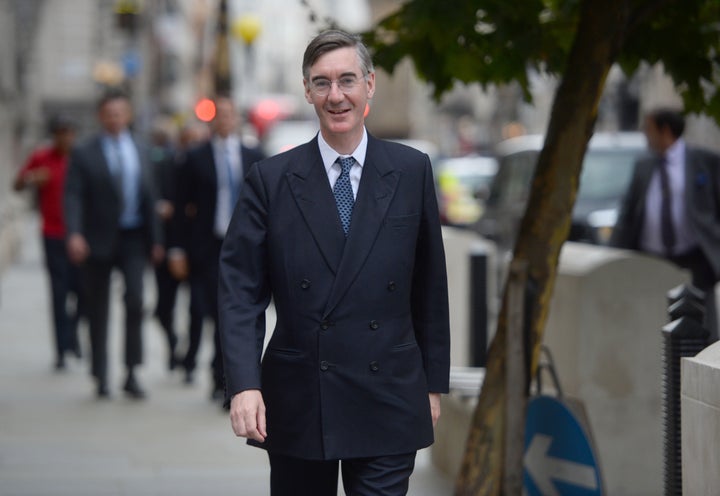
430	312
244	288
623	234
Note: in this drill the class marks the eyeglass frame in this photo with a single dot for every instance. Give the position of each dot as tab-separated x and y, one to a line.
313	89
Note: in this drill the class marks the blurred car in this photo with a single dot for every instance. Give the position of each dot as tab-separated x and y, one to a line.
607	170
425	146
286	134
462	186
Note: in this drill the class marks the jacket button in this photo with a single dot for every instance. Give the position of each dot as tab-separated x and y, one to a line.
391	286
324	325
374	324
324	365
374	366
305	283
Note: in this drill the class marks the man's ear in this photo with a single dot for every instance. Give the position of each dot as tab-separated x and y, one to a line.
370	85
308	97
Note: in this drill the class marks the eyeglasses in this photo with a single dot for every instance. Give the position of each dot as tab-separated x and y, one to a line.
322	86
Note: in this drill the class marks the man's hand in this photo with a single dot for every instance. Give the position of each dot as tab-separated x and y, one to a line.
435	407
247	415
157	254
164	209
178	264
77	248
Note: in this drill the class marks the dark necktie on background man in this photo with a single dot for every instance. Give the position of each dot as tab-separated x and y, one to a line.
343	192
666	222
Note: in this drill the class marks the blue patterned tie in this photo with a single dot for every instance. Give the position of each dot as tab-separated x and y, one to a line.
343	192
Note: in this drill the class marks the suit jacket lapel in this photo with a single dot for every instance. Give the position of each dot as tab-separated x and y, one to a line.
308	182
377	187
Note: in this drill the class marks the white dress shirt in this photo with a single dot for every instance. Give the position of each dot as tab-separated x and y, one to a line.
124	161
651	236
333	169
226	151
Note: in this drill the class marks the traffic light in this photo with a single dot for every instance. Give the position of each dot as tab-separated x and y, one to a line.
205	109
127	14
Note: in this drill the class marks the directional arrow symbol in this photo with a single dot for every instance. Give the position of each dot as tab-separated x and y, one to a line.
543	468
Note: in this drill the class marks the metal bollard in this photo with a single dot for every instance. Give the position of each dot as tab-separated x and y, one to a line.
684	336
478	307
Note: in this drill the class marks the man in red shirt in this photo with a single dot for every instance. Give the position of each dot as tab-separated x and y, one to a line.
45	170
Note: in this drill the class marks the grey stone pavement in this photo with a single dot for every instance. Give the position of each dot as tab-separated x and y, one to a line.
57	439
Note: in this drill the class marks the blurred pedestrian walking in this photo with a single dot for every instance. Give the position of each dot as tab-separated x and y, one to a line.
45	171
162	157
208	186
112	223
166	160
672	206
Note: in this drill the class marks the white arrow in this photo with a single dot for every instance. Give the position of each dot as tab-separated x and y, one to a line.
542	468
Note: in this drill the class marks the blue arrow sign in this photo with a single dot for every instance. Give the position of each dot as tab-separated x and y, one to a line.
559	459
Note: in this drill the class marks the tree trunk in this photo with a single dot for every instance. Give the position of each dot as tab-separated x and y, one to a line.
545	226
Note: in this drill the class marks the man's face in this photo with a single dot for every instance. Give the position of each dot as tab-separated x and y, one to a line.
115	115
64	139
654	136
340	113
226	119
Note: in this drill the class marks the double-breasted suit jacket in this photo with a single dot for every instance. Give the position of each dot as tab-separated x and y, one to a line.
93	199
196	201
702	203
362	333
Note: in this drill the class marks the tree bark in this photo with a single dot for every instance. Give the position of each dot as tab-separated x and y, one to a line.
545	226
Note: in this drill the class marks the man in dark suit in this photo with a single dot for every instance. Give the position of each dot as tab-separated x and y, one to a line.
208	185
111	223
167	162
672	207
343	234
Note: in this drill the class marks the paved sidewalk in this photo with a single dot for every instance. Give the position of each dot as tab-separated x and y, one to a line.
57	439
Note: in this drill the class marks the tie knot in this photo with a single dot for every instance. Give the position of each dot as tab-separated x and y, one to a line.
346	164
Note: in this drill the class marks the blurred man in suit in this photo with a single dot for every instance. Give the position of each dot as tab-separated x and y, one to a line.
343	233
112	223
167	161
209	182
672	207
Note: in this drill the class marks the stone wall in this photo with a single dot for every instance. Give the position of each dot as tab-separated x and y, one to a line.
700	420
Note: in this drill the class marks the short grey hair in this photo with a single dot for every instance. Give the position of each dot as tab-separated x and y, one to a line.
333	39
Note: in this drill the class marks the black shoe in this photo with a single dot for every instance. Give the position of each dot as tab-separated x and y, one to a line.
173	362
133	389
60	363
103	392
189	378
218	394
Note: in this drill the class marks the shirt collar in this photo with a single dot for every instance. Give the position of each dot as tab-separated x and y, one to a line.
231	140
329	156
675	153
120	138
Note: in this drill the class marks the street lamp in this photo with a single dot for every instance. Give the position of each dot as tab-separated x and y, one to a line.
246	28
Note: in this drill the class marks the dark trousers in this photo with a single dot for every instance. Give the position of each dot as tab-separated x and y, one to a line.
130	259
703	278
204	292
64	284
198	310
167	288
377	476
